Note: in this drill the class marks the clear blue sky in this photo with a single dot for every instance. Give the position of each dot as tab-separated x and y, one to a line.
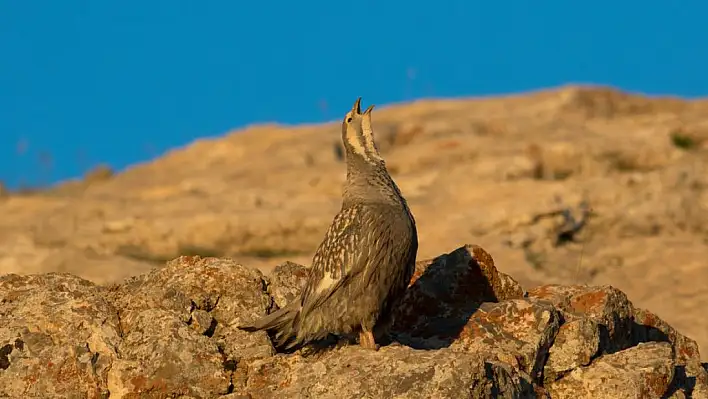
84	82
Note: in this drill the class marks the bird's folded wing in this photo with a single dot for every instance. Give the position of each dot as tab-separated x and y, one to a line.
340	256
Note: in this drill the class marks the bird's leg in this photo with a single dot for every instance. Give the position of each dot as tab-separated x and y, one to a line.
366	340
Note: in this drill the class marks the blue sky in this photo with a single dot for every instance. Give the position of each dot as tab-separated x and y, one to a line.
88	82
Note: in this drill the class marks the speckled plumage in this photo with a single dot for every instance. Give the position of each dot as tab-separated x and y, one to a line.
366	260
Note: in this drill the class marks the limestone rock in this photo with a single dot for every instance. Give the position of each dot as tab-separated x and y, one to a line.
286	281
169	332
576	344
445	292
58	337
487	168
463	330
643	371
183	317
393	371
691	376
605	305
518	332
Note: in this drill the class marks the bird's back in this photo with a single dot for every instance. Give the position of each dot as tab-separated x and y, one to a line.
361	237
365	260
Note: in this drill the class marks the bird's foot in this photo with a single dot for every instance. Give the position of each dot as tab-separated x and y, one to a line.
366	340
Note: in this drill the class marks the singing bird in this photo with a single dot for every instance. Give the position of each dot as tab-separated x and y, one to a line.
363	266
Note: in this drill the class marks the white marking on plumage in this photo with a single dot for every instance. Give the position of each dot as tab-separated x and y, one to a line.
357	147
332	259
326	283
368	134
354	139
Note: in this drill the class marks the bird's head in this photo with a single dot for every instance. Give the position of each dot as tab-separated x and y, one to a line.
358	135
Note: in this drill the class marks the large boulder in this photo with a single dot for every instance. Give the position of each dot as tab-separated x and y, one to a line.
463	329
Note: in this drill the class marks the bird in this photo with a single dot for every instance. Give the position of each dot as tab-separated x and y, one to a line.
362	267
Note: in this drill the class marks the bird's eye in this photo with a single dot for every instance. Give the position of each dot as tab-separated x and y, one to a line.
349	120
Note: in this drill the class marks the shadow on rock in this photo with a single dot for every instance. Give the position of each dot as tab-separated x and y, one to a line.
689	377
444	293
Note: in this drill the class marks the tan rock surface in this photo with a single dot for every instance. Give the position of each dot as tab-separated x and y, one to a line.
171	333
644	371
493	171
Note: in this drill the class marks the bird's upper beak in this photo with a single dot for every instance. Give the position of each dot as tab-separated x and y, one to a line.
356	109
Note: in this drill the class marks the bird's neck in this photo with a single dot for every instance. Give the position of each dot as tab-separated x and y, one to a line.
369	181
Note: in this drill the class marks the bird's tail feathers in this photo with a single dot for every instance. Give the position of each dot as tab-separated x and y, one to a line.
281	324
273	321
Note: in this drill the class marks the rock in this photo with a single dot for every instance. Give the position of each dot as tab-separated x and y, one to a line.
518	332
691	376
98	173
286	282
445	292
576	344
643	371
649	327
183	317
63	336
393	371
605	305
463	330
467	167
557	161
58	337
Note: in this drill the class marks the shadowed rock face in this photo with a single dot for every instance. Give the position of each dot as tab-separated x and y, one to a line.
463	330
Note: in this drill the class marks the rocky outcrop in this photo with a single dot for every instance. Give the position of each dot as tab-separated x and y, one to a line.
574	184
464	329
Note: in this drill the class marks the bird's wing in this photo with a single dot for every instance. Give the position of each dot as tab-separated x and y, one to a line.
339	257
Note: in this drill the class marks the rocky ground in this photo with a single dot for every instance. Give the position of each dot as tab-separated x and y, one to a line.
575	185
464	330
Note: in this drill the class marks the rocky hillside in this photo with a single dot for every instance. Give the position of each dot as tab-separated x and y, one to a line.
576	185
463	330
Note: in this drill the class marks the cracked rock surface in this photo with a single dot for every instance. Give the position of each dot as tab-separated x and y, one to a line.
464	330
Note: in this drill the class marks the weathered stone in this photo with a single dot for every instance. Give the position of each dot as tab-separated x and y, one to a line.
445	292
58	337
517	331
691	378
172	333
286	281
643	371
393	371
471	269
466	173
649	327
605	305
160	339
202	322
575	345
